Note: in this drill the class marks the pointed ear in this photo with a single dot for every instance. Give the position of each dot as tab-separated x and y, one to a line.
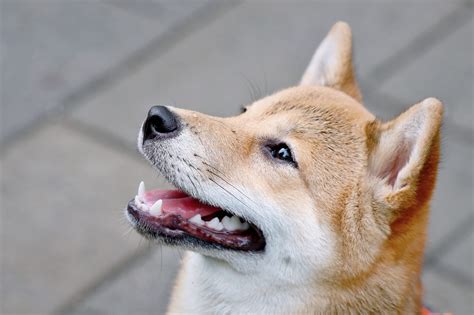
404	155
331	64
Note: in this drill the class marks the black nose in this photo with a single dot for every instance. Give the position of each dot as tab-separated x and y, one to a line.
160	121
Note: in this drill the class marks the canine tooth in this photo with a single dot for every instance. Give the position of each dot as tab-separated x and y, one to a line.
197	220
141	190
215	224
245	226
156	208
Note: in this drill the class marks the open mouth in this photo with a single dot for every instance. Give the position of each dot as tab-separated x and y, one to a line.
174	216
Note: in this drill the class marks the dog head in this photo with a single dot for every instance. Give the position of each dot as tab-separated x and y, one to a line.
305	181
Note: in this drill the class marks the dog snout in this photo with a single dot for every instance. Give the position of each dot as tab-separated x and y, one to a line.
160	122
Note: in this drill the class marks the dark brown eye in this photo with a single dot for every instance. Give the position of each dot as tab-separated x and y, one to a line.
281	152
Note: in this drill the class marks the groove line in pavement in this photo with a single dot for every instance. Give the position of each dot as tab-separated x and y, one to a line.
454	275
454	238
104	138
112	274
410	52
152	50
461	132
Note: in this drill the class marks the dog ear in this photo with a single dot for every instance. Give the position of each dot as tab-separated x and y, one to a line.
404	154
331	64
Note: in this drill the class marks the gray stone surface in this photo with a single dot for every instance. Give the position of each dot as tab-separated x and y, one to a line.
144	289
452	203
255	44
62	222
442	295
49	48
445	71
459	257
165	12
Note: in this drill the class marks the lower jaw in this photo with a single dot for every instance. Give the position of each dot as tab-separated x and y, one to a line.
175	230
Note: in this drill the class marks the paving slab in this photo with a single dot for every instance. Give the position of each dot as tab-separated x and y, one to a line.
443	296
62	196
163	11
459	257
260	45
445	71
144	289
50	48
452	201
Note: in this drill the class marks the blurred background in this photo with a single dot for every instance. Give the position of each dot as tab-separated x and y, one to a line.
77	78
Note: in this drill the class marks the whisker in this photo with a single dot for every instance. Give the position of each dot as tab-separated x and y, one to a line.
251	88
127	232
192	183
226	181
231	185
227	191
179	253
265	81
199	138
161	259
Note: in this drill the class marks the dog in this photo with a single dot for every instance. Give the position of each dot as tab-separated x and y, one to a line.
304	203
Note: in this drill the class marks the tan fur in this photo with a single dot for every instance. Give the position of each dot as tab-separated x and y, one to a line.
341	76
348	171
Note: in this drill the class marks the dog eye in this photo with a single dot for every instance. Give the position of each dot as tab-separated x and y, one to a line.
281	152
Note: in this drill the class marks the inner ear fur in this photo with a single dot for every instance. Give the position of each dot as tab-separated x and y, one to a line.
331	64
404	155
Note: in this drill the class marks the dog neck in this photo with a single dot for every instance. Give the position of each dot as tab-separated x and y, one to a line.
207	285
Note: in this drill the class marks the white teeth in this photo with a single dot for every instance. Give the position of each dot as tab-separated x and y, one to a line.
229	224
141	191
233	224
197	220
156	208
138	202
226	223
215	224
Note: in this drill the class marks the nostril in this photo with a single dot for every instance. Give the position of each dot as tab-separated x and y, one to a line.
161	124
160	121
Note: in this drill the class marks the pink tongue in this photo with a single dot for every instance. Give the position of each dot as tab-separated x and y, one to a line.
177	202
153	195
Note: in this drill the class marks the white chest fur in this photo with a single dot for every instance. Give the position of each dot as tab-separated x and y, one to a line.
208	286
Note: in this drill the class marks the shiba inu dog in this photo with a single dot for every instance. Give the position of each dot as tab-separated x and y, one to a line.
304	203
